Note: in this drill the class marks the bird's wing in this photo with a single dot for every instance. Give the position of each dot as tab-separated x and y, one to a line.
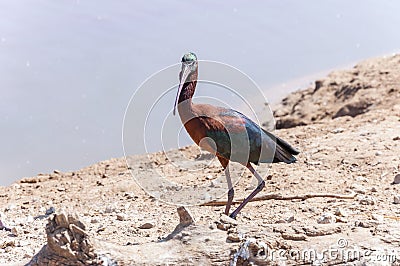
236	134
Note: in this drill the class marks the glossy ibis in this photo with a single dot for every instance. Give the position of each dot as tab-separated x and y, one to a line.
227	133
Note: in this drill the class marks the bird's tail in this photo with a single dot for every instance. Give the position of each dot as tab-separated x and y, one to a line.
284	152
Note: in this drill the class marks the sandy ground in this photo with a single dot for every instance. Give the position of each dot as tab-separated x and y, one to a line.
355	154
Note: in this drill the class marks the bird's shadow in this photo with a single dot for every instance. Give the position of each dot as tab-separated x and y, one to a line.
179	228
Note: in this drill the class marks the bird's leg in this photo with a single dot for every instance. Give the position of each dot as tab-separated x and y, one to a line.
231	192
261	185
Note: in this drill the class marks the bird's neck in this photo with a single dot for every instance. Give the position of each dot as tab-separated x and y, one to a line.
185	98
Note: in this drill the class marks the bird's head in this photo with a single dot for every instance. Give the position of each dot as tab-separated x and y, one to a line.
189	68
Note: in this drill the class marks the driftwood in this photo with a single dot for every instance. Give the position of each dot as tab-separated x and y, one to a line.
278	196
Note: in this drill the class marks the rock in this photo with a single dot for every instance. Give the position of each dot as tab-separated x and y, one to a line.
146	226
396	179
209	177
363	224
50	210
248	251
374	189
288	122
129	195
353	109
223	227
337	130
341	219
94	221
62	220
227	220
327	218
15	231
3	225
290	219
378	153
321	230
121	217
234	235
340	212
185	217
109	209
367	200
234	238
396	199
294	237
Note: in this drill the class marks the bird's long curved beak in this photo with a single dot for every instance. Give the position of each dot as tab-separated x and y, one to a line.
184	75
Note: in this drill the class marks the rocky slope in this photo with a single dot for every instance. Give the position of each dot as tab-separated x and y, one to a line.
373	84
340	199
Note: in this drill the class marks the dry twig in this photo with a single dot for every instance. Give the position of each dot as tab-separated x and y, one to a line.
278	196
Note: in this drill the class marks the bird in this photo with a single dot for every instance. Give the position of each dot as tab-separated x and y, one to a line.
228	134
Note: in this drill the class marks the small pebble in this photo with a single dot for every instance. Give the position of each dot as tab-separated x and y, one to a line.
364	224
396	199
121	217
290	219
146	226
396	179
327	218
227	220
14	231
374	189
234	238
4	226
338	130
223	227
367	200
378	153
340	212
294	237
129	195
50	210
109	209
94	221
